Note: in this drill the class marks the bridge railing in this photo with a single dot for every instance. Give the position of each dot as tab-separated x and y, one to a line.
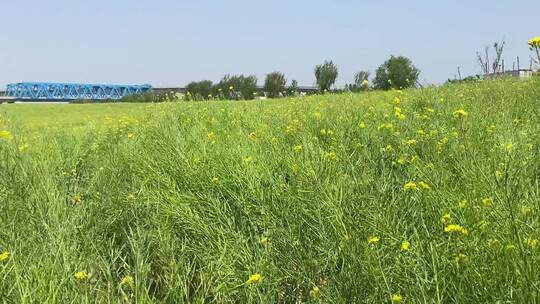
71	91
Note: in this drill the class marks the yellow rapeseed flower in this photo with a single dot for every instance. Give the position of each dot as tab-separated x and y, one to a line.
361	125
411	142
365	83
248	159
23	147
297	148
396	298
446	218
373	240
315	291
533	243
460	113
254	279
405	246
487	201
453	228
410	186
423	185
6	135
4	256
127	280
215	179
534	42
81	276
211	137
263	241
330	155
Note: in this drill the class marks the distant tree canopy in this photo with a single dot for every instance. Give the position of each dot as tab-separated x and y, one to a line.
150	96
236	87
396	73
200	90
274	84
326	75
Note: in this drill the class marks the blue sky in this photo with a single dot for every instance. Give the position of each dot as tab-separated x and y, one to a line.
169	43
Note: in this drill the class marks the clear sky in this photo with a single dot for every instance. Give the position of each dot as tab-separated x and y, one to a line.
171	42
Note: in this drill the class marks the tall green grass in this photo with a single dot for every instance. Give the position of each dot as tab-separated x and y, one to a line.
185	201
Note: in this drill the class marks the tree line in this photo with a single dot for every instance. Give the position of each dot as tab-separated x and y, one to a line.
395	73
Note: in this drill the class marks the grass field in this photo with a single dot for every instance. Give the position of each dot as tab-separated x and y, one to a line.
420	196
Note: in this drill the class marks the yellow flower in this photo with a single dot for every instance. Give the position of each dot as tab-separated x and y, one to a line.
461	258
130	135
215	179
297	148
361	125
453	228
365	83
211	137
487	201
509	147
423	185
248	159
373	240
254	279
483	224
263	241
462	204
330	155
23	147
405	246
231	88
81	276
127	280
498	173
510	247
446	218
315	291
6	135
410	186
411	142
317	115
4	256
533	243
460	113
396	298
534	42
525	210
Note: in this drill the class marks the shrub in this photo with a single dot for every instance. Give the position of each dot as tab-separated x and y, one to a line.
396	73
326	75
274	84
150	97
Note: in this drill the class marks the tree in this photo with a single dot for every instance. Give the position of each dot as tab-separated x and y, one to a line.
199	90
236	87
360	80
396	73
497	65
326	75
274	84
293	88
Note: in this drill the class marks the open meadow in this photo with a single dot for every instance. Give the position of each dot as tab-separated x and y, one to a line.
417	196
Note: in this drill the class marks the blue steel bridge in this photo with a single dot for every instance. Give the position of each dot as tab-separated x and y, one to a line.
43	91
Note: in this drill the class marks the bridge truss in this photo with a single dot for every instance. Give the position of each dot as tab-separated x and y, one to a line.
71	91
